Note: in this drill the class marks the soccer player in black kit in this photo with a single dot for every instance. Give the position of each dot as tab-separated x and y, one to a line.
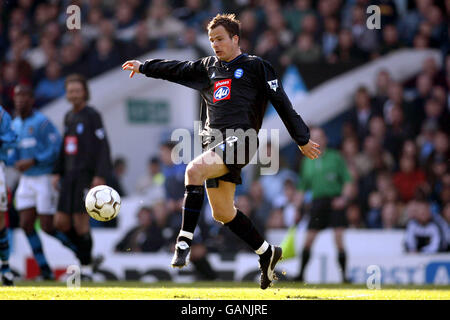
84	162
235	88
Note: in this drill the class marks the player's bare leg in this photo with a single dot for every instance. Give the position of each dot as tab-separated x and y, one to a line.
206	165
310	237
7	276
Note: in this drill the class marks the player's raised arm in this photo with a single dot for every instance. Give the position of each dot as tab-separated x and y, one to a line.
295	125
192	74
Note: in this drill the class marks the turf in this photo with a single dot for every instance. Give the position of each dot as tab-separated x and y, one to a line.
216	291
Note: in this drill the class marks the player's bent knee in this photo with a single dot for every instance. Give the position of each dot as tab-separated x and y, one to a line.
222	214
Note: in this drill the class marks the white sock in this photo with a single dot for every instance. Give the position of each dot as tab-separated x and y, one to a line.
263	248
87	270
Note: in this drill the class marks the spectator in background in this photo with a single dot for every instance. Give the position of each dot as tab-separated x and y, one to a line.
408	178
361	113
350	152
52	86
261	206
72	60
422	233
272	184
383	84
103	57
250	28
140	43
422	94
435	174
365	39
346	50
173	183
390	216
91	29
162	26
269	48
437	25
425	140
145	237
441	147
125	21
410	22
443	221
287	203
192	14
116	179
354	216
373	157
152	178
388	9
330	36
434	111
374	214
305	51
390	41
395	98
431	69
398	131
277	24
294	15
10	80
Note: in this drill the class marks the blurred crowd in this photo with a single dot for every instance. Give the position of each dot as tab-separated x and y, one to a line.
36	46
395	141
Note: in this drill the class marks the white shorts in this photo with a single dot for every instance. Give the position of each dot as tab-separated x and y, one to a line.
36	192
3	190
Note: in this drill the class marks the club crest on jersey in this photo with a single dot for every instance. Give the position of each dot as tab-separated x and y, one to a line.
222	90
238	73
80	128
273	84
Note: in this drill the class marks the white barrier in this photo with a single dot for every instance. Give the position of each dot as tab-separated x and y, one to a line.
364	248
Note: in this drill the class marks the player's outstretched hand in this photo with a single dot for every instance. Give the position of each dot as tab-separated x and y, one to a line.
133	66
310	150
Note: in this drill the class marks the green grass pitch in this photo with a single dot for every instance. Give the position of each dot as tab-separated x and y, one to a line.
29	290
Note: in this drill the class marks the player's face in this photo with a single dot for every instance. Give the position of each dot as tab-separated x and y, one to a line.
23	101
224	47
75	93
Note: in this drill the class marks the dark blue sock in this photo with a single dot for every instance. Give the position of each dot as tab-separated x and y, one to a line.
36	246
64	240
4	250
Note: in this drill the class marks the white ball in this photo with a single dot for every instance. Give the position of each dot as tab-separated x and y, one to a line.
102	203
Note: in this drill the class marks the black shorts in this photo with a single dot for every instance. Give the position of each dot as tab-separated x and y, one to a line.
73	193
236	151
322	215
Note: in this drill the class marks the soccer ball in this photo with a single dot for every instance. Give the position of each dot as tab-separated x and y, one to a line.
102	203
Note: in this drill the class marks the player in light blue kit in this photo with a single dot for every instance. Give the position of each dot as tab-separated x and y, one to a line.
7	141
37	149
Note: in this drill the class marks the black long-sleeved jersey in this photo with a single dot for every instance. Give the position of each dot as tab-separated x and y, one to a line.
235	94
85	149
